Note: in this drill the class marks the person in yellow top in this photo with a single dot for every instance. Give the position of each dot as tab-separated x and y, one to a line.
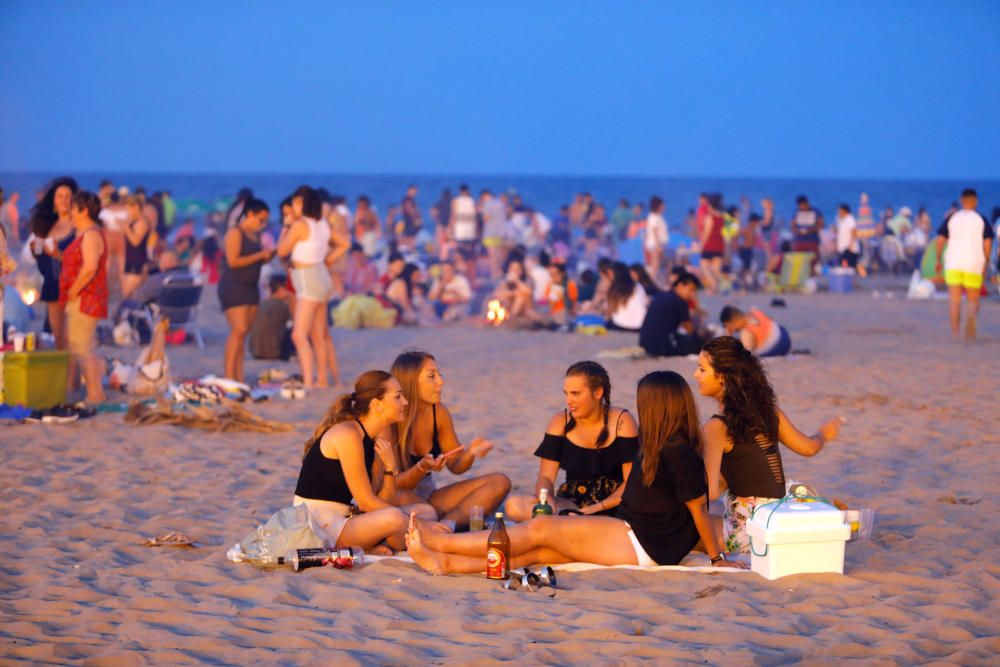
759	333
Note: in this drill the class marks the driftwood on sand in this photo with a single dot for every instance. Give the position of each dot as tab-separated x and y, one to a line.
228	417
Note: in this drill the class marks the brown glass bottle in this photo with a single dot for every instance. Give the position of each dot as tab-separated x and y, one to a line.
498	550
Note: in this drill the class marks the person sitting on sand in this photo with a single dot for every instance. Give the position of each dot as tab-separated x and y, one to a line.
150	375
514	292
663	514
758	332
593	441
668	329
450	294
270	336
741	443
428	443
627	300
339	457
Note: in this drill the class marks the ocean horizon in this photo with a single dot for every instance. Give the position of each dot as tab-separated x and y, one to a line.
543	192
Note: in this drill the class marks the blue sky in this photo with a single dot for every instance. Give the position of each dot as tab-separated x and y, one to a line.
800	89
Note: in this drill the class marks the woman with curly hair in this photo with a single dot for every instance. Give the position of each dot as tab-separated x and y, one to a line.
741	442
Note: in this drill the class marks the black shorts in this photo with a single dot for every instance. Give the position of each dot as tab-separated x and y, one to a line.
850	258
710	254
746	258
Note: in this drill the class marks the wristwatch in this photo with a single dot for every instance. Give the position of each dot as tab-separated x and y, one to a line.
719	558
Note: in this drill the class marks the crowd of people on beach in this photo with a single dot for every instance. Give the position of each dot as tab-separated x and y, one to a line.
283	278
633	490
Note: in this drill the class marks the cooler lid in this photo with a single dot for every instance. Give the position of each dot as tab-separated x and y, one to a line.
796	513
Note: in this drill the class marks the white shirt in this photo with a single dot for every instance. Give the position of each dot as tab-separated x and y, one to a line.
463	217
965	230
113	220
540	278
845	227
458	288
631	313
656	235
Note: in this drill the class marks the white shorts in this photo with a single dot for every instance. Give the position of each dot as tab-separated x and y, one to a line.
312	283
330	517
640	554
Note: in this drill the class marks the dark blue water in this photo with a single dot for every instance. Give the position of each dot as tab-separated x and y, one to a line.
548	193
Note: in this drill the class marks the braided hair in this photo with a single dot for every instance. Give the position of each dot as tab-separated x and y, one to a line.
369	386
597	378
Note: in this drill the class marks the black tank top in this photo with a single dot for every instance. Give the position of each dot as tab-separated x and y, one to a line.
322	478
136	255
245	275
753	468
435	440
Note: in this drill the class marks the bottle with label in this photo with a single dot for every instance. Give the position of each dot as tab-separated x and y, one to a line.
343	558
543	506
498	551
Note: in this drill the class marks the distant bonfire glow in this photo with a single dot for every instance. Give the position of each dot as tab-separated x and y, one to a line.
495	313
29	296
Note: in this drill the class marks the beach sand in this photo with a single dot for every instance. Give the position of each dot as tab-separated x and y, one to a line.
920	447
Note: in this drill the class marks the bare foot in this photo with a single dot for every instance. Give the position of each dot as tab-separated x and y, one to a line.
970	328
431	532
429	560
381	550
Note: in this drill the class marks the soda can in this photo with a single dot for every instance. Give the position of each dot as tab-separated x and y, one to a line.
29	341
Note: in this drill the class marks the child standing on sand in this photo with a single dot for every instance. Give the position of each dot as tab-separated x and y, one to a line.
970	238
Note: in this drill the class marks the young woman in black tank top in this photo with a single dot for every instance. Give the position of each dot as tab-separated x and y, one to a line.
662	517
427	443
344	463
741	442
593	441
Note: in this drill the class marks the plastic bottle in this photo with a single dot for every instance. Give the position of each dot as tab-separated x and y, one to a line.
343	559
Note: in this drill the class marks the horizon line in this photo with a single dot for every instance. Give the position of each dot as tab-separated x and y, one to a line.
472	175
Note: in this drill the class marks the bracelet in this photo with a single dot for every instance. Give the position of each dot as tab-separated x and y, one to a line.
721	557
391	473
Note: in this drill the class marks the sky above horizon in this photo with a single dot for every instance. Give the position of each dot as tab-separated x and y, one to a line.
752	89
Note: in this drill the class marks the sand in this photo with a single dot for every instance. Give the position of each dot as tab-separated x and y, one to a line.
920	447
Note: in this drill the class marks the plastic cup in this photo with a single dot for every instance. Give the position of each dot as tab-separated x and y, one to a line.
18	341
867	523
476	518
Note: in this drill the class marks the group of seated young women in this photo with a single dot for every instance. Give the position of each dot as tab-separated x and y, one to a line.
634	492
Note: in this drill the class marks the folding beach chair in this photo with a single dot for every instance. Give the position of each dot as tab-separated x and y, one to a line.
179	300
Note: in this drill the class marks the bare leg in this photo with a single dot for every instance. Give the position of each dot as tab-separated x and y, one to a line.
239	319
57	321
519	508
158	342
454	501
92	373
970	319
592	539
371	528
955	307
318	335
302	323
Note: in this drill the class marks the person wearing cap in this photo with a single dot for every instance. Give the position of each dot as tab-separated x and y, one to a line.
969	239
902	222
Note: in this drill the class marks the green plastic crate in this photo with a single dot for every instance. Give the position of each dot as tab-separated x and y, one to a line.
35	379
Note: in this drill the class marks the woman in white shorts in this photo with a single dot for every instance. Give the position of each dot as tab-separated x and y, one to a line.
306	237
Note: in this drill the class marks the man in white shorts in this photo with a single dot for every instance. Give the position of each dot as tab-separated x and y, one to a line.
969	237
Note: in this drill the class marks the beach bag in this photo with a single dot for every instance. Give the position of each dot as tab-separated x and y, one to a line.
288	528
363	312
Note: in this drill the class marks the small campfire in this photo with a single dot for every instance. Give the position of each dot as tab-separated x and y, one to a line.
495	313
29	295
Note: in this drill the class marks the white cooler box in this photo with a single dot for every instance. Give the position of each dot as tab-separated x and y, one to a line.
796	536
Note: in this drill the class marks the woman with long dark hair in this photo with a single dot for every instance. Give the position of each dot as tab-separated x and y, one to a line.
663	515
627	300
239	293
428	442
52	231
741	441
344	462
641	276
592	440
306	237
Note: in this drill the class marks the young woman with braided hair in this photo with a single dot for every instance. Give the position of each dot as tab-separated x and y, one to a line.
593	441
742	459
342	460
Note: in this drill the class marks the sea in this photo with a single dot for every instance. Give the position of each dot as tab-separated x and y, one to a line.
197	192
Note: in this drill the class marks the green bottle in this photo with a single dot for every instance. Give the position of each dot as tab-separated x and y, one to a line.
543	506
